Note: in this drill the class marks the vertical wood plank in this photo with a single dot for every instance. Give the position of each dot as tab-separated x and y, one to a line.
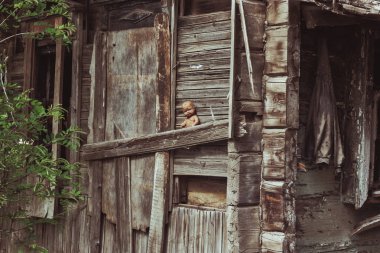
159	203
75	101
123	226
246	44
29	63
232	72
96	124
173	59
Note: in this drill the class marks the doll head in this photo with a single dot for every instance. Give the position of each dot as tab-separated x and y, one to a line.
188	109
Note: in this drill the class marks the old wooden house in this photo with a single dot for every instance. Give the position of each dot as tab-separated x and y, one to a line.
238	181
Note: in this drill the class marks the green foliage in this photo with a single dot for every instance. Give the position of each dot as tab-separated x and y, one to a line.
28	168
13	12
25	154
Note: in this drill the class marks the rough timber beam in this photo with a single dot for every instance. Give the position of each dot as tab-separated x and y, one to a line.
174	139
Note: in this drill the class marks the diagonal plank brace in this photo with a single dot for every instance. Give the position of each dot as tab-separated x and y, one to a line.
169	140
246	43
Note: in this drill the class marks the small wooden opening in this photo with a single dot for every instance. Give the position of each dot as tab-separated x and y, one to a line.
203	191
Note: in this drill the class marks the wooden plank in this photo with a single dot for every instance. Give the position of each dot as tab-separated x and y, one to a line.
131	15
217	26
275	110
213	151
367	224
273	205
205	133
163	111
204	111
202	167
123	205
202	37
209	64
96	120
173	60
203	46
159	203
205	103
192	20
142	179
244	90
134	79
140	241
205	56
195	230
232	73
109	200
94	205
276	53
250	106
108	237
250	141
202	93
246	44
255	24
75	101
243	229
29	63
202	84
277	12
244	179
203	75
272	242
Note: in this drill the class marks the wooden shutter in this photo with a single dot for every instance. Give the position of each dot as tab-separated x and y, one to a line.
358	127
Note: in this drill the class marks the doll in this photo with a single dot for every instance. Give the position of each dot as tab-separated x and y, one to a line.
190	112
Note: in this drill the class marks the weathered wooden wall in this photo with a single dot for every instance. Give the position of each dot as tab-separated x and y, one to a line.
245	153
324	223
280	121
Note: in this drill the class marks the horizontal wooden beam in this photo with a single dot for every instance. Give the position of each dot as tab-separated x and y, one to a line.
174	139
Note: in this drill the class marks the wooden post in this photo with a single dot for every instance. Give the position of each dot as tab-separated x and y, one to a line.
75	102
232	72
280	123
159	203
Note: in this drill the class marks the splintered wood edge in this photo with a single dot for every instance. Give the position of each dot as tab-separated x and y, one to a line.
367	224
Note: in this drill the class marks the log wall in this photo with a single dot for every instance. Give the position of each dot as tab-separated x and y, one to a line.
280	121
244	150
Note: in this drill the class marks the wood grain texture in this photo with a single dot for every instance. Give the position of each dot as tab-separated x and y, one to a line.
275	101
232	72
244	179
244	89
255	22
273	205
277	12
194	230
250	141
243	229
273	242
159	203
205	133
276	50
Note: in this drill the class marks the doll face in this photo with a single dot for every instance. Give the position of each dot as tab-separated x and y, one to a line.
188	109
